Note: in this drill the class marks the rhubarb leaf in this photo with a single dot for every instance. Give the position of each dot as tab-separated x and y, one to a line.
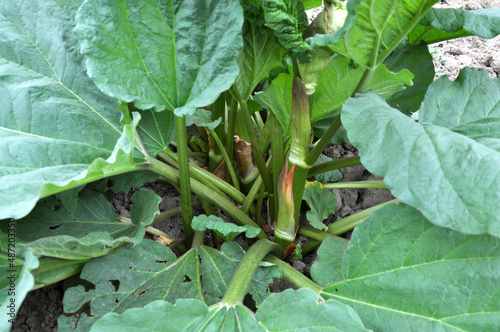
418	61
288	21
402	272
447	23
261	54
453	180
177	55
377	29
57	130
227	231
328	268
133	277
277	313
322	203
15	283
90	230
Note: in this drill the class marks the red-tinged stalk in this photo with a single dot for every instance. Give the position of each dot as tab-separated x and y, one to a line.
301	134
284	229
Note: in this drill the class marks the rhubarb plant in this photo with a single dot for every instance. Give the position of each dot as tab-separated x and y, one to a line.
97	97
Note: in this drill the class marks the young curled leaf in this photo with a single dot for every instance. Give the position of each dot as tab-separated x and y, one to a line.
288	21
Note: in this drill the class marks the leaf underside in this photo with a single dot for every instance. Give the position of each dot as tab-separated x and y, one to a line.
452	179
55	126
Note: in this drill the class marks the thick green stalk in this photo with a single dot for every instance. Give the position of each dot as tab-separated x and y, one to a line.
325	140
198	238
205	192
356	184
229	163
278	159
321	145
295	277
208	179
233	111
319	235
66	268
258	157
348	223
299	183
218	110
251	194
332	165
301	133
184	183
309	246
254	190
258	210
241	279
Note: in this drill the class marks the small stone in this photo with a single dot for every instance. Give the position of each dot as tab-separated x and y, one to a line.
299	266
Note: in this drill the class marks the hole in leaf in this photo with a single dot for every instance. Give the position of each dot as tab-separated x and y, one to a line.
142	292
116	300
336	290
54	227
160	261
186	279
116	284
130	267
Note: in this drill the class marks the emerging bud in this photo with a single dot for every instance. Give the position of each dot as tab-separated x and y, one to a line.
243	154
301	124
328	21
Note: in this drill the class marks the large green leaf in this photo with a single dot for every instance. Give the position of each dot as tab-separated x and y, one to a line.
278	99
261	53
156	130
452	179
328	268
403	273
418	61
474	95
54	122
171	54
310	4
15	282
135	276
90	230
336	83
278	313
485	131
447	23
379	25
